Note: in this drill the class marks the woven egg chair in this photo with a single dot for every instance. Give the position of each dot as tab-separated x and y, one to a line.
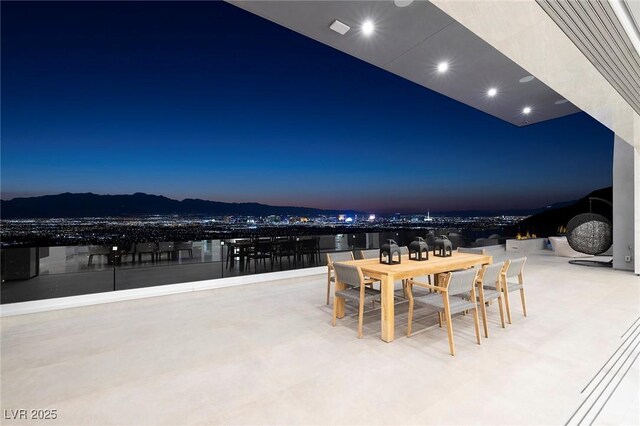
592	234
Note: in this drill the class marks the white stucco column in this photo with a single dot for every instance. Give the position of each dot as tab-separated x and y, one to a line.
626	201
636	179
625	205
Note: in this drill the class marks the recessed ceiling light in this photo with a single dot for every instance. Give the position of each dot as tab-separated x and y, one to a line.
492	92
443	66
339	27
526	79
402	3
526	110
367	28
561	101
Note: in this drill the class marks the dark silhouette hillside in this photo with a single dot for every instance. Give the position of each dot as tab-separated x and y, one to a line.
548	222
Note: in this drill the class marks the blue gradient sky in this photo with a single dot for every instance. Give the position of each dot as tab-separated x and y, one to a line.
202	99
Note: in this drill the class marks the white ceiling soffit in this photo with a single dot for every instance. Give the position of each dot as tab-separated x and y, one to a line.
596	30
411	41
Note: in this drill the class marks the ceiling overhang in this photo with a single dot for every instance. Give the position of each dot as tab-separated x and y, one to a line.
411	41
595	28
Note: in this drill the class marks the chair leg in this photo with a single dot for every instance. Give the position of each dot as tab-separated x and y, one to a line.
447	316
360	317
501	310
440	319
410	319
452	347
524	303
483	307
507	305
335	312
328	286
476	323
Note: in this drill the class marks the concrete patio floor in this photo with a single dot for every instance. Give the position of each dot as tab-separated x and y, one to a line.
267	354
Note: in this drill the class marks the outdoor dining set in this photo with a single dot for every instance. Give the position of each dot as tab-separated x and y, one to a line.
465	281
273	250
152	251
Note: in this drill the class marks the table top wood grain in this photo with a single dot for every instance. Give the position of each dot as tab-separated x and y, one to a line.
412	268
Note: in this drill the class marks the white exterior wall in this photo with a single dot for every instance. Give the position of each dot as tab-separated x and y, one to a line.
624	232
636	192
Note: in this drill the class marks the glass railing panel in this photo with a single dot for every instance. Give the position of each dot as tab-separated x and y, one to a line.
72	259
373	240
164	274
160	263
37	273
56	285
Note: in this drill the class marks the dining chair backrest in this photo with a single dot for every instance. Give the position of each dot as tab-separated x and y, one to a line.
348	274
262	246
462	281
491	274
369	254
342	256
515	267
404	250
308	243
286	245
471	250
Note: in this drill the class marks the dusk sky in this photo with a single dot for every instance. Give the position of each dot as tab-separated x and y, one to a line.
205	100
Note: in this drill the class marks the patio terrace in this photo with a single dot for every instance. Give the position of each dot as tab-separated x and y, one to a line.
267	354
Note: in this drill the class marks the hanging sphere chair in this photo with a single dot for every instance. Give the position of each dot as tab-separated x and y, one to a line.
590	233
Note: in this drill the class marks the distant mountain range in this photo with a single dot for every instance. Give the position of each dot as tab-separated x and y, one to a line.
94	205
138	204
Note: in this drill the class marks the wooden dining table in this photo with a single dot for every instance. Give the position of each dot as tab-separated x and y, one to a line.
388	274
